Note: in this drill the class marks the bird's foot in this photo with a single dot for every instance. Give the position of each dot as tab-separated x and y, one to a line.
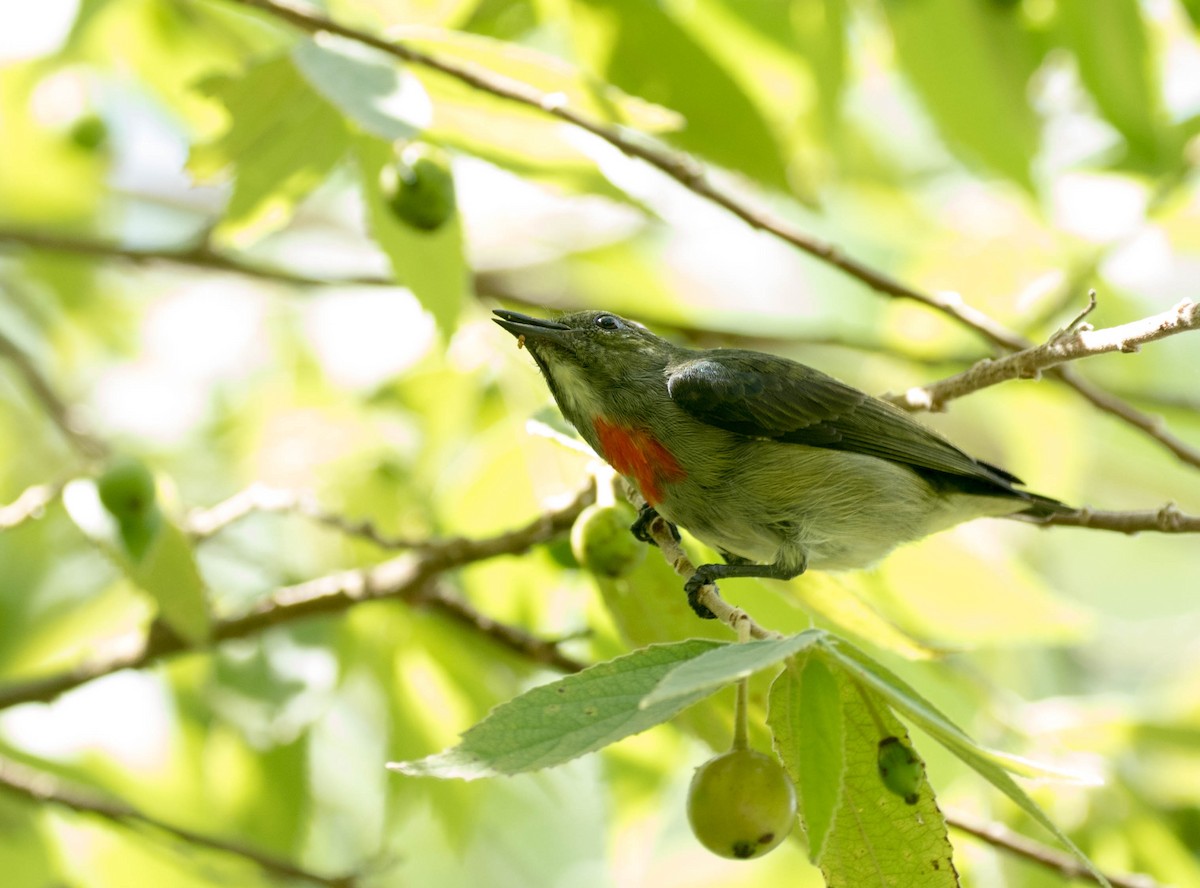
698	581
641	527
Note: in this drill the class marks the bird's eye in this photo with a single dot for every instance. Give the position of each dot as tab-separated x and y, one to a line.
608	322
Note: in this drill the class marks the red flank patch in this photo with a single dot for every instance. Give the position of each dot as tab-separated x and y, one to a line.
636	454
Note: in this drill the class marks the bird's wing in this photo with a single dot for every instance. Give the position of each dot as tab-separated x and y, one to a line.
765	396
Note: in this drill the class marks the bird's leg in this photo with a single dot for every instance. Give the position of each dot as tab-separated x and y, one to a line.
646	517
707	574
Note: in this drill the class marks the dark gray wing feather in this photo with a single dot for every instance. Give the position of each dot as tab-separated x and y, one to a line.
766	396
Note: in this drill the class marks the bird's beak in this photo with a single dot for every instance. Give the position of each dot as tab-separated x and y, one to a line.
523	326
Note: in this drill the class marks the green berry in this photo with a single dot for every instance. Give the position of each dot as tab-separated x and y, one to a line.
127	489
419	187
89	132
900	769
602	542
741	804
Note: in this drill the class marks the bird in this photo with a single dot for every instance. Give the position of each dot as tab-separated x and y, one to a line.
778	466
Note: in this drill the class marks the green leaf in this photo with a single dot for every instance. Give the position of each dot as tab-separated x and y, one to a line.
430	263
1111	47
368	86
282	141
908	702
543	72
805	716
642	49
170	574
828	733
724	665
557	722
970	63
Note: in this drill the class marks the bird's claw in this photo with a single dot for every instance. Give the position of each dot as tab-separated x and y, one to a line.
641	527
698	581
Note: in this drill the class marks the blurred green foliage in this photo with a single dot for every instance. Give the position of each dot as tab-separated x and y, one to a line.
1014	152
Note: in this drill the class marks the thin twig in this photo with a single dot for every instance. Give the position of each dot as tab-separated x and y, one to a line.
403	578
54	406
1069	344
1168	519
539	650
1000	836
29	505
675	555
200	256
42	788
204	523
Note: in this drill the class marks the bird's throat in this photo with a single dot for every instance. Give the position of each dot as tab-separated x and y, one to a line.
638	455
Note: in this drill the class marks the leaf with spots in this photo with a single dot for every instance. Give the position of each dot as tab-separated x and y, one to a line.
862	832
557	722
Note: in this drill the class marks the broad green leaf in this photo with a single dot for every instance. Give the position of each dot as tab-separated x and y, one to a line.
565	719
837	599
169	573
970	64
1115	63
642	49
525	140
975	597
908	702
544	73
430	263
166	568
282	141
805	716
862	834
725	665
368	86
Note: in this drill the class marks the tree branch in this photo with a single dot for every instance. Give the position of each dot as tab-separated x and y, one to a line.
42	788
1168	519
204	523
675	555
199	255
29	505
1069	344
55	407
1000	836
403	578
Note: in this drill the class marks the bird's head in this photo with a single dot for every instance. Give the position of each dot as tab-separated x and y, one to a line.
589	357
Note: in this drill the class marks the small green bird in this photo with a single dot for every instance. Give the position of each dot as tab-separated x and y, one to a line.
776	465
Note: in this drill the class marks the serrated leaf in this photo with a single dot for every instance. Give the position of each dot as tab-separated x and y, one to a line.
805	717
724	665
901	696
282	141
430	263
368	86
565	719
877	837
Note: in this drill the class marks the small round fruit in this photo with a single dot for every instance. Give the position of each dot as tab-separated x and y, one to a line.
127	489
89	133
741	804
900	769
602	542
419	187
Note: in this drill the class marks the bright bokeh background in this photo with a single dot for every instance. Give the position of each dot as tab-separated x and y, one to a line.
1016	152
